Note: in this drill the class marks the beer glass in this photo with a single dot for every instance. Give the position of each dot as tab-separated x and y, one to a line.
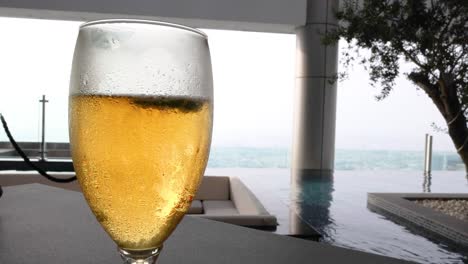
140	122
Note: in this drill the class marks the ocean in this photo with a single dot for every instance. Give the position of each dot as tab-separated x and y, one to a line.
244	157
345	159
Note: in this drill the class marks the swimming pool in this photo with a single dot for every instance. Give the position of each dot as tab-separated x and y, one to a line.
337	208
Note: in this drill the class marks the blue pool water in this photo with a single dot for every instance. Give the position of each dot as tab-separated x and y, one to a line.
337	208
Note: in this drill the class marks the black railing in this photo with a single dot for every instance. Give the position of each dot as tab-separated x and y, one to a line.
58	156
32	155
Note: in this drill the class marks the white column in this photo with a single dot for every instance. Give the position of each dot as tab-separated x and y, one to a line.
315	101
314	120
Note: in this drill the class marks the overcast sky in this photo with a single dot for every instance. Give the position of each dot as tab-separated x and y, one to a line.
254	81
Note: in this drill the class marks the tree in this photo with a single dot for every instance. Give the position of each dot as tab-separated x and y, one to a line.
432	35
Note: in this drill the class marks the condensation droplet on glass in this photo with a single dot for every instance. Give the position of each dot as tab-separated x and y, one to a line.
84	79
114	43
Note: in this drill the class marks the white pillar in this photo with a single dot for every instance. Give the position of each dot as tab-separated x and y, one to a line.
314	120
315	101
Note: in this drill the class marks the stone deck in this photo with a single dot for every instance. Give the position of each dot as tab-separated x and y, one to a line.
400	207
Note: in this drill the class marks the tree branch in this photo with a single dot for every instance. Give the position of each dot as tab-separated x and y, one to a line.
444	96
416	61
431	90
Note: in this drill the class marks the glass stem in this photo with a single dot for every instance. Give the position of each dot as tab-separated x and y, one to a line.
141	256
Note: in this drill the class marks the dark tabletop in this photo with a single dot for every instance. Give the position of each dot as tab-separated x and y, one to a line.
41	224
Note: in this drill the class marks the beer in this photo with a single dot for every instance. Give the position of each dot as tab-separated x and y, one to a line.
139	161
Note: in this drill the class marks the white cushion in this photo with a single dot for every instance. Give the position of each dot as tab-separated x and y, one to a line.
258	221
213	188
244	200
216	207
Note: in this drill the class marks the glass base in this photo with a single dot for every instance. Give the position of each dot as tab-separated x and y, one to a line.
141	256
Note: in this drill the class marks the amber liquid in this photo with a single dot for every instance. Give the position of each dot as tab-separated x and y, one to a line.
139	161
